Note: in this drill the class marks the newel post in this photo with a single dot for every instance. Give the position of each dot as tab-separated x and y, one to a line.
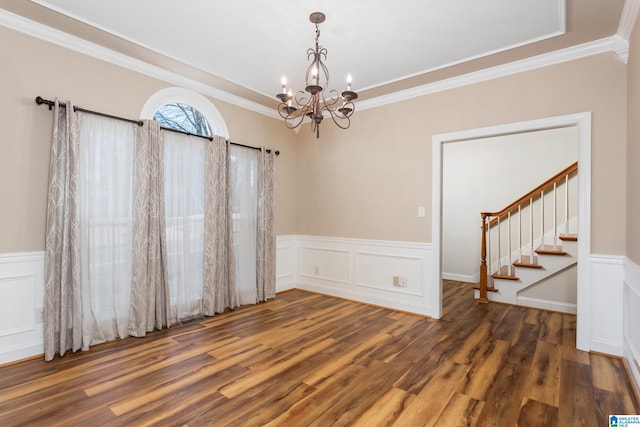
483	262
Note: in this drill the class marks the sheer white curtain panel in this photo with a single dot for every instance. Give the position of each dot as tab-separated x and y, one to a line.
184	170
105	194
244	196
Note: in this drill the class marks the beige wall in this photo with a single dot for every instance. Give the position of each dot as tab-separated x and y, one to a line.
31	67
367	182
633	148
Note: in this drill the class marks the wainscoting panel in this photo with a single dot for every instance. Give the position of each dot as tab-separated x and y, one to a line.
606	323
21	291
21	305
285	263
631	314
379	271
326	264
390	274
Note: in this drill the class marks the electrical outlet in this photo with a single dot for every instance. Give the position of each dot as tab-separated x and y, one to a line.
399	281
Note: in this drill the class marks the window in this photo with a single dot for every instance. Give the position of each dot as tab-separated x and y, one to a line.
184	118
178	95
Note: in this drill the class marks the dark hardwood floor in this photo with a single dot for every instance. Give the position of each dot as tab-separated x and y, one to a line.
310	360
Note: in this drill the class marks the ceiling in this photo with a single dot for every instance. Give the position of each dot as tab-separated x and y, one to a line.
245	46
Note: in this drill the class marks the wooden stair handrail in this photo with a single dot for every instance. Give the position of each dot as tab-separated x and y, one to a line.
535	193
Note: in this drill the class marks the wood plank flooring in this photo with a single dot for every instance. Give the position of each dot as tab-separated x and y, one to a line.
310	360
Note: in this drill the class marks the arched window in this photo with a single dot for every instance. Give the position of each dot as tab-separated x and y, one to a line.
183	117
174	97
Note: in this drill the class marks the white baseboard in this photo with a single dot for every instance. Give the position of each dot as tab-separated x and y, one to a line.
461	277
23	352
613	348
544	304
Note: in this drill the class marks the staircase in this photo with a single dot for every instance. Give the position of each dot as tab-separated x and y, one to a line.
525	243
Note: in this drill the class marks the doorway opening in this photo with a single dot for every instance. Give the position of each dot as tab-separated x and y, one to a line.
582	121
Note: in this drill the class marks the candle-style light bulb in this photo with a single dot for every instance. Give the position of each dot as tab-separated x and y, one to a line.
284	84
290	94
349	80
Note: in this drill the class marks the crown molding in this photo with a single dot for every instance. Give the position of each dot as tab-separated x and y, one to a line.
630	13
628	19
60	38
540	61
618	44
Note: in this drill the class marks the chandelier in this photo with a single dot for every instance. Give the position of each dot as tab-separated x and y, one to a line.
312	102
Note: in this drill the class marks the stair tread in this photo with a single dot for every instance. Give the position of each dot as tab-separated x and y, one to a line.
550	250
505	274
477	287
569	237
528	262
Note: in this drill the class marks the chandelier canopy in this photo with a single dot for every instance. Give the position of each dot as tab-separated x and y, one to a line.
312	102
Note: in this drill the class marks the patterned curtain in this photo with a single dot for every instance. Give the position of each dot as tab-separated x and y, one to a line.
266	238
63	308
219	269
149	307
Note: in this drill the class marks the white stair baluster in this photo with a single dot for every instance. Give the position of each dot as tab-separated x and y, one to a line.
531	227
555	215
542	218
520	231
499	249
566	203
489	264
509	264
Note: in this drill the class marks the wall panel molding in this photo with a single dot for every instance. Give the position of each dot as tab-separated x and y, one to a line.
286	256
21	305
605	311
631	315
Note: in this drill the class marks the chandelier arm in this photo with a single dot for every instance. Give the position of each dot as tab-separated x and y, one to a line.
333	99
301	98
293	122
343	122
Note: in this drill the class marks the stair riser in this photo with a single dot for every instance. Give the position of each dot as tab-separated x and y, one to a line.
508	289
